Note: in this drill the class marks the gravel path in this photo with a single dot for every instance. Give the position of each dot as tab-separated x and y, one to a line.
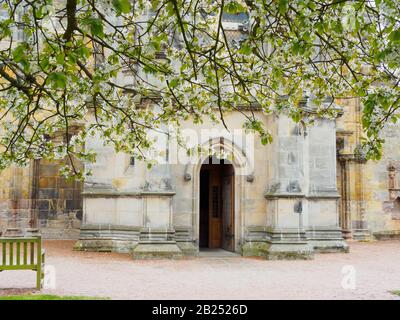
376	266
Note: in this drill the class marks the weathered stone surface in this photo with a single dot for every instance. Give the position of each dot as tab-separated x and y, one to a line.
188	248
283	251
157	251
387	235
34	195
297	172
367	187
104	245
255	249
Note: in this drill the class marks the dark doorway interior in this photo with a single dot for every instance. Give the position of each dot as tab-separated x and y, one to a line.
204	199
216	206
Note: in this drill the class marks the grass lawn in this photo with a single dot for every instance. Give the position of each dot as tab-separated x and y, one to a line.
396	292
48	297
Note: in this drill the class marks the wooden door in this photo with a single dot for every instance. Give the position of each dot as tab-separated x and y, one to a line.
228	227
215	216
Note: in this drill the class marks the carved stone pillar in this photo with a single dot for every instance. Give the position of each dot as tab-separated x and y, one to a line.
345	212
361	231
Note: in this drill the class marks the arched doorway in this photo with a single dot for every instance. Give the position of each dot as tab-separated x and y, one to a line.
217	229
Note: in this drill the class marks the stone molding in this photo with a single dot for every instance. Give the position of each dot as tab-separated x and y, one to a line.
276	195
319	195
112	193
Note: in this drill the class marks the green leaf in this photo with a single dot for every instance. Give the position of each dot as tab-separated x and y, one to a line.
58	80
283	6
19	52
265	140
19	55
121	6
245	49
233	7
394	36
173	83
95	25
60	58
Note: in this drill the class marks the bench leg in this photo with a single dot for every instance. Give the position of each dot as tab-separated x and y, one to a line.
39	277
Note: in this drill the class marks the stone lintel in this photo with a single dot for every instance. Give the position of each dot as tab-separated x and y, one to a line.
343	132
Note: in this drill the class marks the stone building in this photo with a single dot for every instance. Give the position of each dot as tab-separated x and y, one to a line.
307	191
370	195
278	200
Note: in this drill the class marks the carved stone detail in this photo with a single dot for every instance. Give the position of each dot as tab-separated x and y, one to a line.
394	191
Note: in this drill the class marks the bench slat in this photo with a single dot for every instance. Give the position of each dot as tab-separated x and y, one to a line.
21	267
11	254
32	245
25	253
4	245
19	239
18	253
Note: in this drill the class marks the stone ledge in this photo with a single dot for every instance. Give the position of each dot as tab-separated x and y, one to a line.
115	194
113	227
319	195
293	251
387	235
188	248
271	195
323	195
156	251
105	245
330	246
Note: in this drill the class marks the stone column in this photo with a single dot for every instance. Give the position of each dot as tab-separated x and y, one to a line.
345	214
323	229
157	236
361	231
285	196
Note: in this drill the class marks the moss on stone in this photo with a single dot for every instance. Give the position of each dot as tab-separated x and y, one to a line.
156	251
188	248
387	235
254	249
289	255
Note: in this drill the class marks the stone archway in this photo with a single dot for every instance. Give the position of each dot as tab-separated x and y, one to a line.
244	172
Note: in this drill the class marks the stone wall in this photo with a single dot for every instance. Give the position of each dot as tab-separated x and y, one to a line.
369	195
285	197
15	198
37	196
382	198
58	204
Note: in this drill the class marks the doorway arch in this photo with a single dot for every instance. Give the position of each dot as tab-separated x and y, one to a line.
243	170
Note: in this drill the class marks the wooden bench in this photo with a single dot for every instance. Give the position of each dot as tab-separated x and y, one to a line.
23	254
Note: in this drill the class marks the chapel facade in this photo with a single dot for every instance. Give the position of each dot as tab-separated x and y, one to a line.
309	190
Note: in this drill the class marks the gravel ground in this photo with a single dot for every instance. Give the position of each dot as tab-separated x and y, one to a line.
376	266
